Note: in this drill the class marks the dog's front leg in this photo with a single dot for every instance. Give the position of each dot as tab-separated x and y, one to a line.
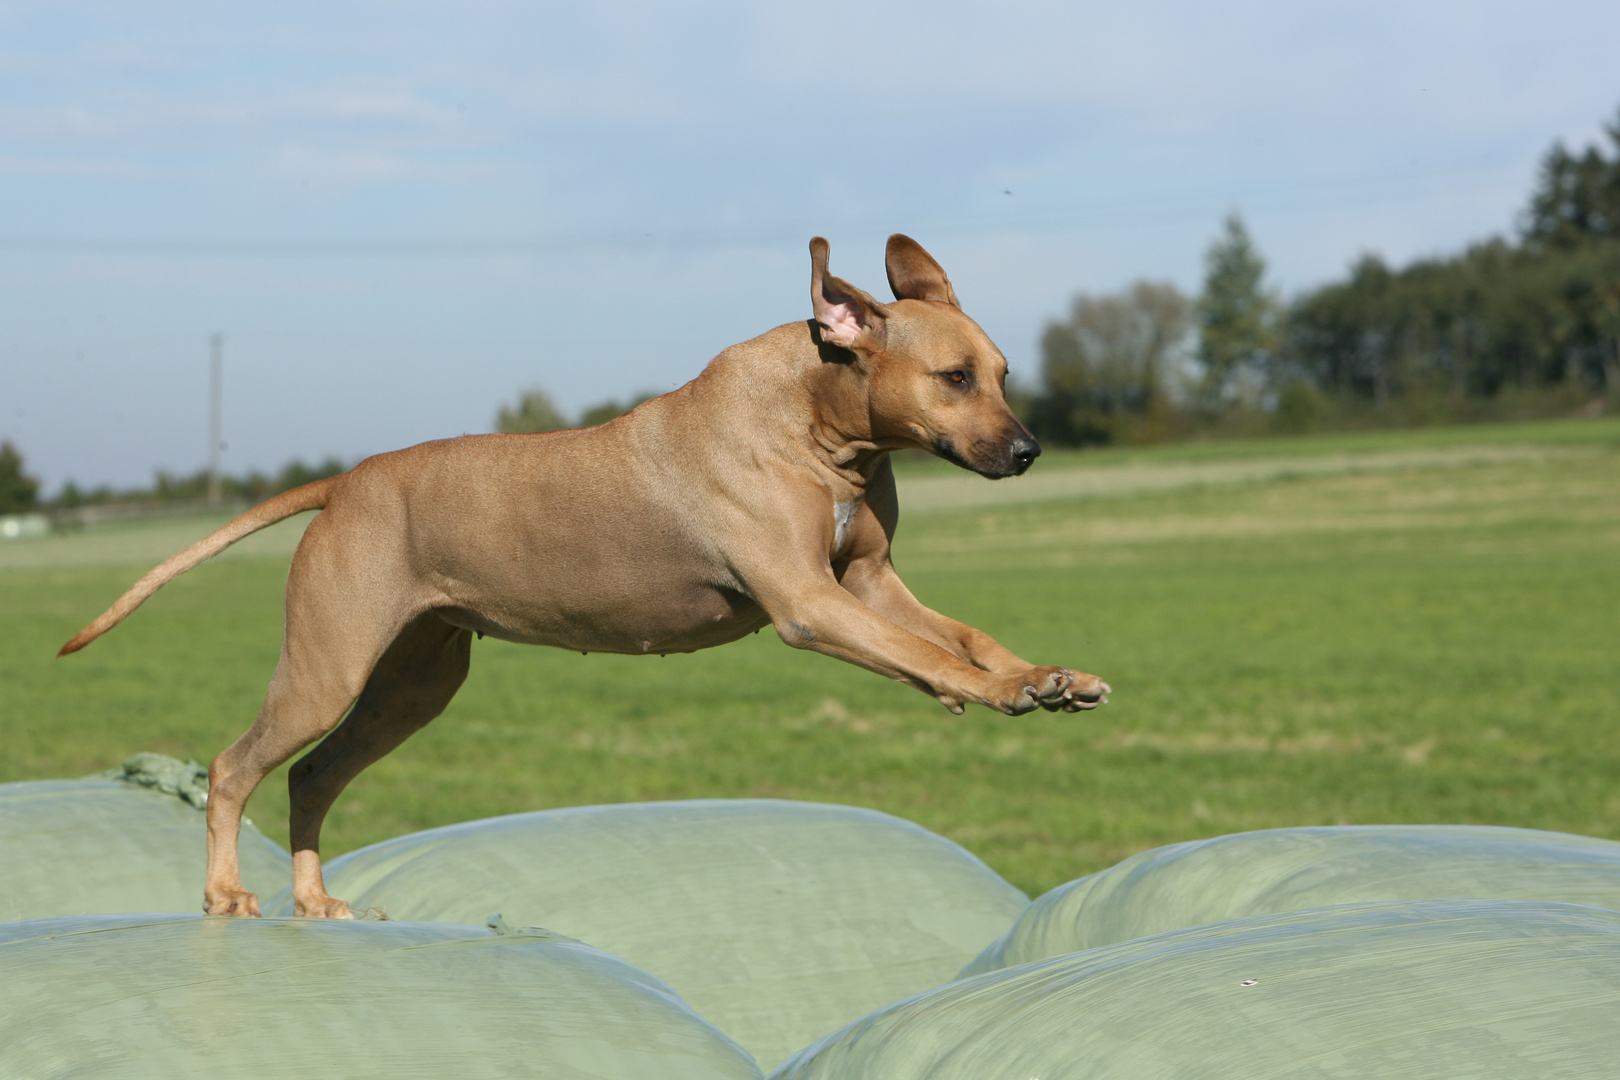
874	582
814	612
870	577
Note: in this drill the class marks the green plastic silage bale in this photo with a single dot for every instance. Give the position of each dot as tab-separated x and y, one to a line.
154	998
778	921
89	847
1276	870
1426	990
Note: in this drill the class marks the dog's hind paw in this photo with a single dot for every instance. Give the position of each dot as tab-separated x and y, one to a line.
236	903
323	907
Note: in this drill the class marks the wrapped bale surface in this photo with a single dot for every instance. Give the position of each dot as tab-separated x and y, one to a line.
90	847
1275	870
778	921
133	997
1424	990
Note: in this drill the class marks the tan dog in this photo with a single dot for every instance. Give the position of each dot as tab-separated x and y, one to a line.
760	492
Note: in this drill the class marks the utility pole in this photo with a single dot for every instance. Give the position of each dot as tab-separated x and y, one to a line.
216	434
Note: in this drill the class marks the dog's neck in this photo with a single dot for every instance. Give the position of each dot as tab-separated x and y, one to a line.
840	426
855	461
814	399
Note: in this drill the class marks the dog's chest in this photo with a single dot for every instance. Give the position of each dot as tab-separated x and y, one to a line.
843	515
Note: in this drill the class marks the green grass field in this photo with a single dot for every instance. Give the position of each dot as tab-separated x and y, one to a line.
1393	627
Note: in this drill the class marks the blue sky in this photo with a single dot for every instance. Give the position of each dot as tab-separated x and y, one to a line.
400	214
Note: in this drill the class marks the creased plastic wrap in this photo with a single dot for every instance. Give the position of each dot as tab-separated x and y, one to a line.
778	921
155	998
1425	990
90	847
1276	870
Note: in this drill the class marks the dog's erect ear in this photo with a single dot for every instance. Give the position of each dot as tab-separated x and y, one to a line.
913	273
848	317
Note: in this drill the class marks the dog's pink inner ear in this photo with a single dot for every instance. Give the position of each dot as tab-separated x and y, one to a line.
848	317
841	321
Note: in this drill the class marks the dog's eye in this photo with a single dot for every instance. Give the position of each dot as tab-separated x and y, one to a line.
956	376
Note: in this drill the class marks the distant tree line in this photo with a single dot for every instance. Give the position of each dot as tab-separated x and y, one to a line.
1508	327
534	410
252	486
19	492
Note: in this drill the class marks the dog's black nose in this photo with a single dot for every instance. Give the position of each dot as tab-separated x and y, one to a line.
1024	451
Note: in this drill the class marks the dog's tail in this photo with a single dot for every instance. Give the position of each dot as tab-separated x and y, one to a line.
309	497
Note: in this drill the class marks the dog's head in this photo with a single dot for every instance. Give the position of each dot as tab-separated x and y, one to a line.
935	381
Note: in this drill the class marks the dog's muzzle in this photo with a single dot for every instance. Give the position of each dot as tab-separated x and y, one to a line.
1009	459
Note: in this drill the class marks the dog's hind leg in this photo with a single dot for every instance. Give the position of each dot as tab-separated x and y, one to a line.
307	696
338	625
412	683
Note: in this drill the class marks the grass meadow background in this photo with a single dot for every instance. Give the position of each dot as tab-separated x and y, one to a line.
1415	626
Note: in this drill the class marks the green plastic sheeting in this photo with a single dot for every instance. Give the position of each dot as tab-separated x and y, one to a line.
144	998
1424	990
183	779
89	847
778	921
1258	873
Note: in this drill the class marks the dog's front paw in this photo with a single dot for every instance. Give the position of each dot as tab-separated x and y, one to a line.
1083	692
1041	687
237	903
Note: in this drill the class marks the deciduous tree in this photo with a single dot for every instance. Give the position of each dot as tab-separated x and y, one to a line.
1237	318
19	492
1112	360
534	411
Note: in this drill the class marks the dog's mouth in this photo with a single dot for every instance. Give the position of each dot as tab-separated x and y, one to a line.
1012	458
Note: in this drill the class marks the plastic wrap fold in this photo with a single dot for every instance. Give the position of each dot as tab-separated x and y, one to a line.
91	847
1424	990
138	997
1276	870
778	921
